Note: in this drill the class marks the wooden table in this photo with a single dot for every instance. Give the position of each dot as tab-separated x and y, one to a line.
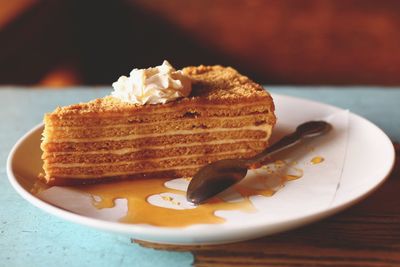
367	234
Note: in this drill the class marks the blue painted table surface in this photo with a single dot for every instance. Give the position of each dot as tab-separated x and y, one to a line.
30	237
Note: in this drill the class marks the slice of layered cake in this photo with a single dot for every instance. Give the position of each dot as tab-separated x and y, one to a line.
158	122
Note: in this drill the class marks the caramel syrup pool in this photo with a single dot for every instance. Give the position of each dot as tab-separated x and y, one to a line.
141	211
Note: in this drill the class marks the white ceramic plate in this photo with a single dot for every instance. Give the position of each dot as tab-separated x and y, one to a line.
368	160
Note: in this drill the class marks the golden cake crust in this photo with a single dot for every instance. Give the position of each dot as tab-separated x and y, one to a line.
210	85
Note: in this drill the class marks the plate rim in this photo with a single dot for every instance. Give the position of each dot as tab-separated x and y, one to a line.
162	234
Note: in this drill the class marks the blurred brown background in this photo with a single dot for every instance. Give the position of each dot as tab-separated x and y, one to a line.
298	42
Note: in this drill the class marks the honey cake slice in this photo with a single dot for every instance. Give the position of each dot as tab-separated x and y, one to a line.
226	116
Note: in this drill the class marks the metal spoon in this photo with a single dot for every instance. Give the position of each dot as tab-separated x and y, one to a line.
222	174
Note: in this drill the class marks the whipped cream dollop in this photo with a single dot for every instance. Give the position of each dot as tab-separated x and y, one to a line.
156	85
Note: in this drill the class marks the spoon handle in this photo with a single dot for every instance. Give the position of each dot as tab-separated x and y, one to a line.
308	129
286	141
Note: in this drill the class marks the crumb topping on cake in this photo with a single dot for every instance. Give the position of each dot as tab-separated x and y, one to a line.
210	85
221	82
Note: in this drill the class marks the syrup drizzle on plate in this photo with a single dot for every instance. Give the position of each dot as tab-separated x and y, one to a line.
317	160
156	202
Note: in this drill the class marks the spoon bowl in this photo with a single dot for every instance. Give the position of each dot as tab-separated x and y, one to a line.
215	178
313	128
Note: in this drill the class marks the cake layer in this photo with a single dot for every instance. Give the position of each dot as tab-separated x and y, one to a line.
87	114
170	164
160	141
153	135
186	172
147	153
62	133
